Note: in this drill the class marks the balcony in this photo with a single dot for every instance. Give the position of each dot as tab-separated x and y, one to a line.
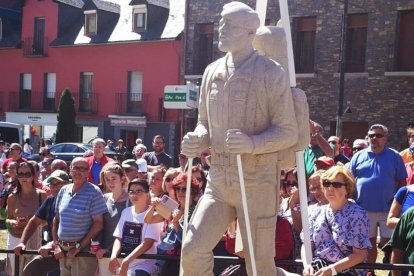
130	103
33	47
28	100
86	103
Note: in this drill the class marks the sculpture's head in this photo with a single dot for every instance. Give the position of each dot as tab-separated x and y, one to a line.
270	41
238	27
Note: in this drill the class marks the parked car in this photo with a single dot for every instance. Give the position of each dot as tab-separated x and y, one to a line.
68	151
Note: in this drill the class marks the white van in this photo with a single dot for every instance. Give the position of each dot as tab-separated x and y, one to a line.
10	133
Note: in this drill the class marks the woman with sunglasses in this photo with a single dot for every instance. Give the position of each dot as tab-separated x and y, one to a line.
339	230
171	241
289	207
113	175
21	206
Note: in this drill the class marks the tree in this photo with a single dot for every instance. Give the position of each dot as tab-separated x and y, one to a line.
66	118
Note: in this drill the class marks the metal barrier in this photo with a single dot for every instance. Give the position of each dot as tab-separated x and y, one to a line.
219	259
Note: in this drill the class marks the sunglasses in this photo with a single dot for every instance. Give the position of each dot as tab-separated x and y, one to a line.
336	185
376	135
14	149
168	179
357	149
45	163
130	170
291	183
333	142
135	192
25	175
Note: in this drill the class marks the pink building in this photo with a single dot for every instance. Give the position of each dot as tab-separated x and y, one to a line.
115	56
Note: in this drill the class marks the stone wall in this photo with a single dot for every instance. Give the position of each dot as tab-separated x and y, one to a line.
372	96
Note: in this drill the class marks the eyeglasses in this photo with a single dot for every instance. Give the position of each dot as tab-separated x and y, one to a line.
14	149
24	175
336	185
135	192
333	142
375	135
357	149
180	189
46	163
56	184
291	183
168	179
80	169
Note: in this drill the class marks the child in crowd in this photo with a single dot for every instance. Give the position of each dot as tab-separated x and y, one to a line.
133	236
116	200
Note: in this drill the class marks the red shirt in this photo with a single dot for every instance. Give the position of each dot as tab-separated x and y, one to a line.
8	160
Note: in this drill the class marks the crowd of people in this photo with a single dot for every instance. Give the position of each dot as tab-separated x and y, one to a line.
108	207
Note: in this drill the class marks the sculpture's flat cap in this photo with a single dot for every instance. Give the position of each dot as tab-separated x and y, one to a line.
241	15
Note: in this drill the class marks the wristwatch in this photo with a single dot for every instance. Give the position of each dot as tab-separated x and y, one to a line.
296	208
77	245
333	271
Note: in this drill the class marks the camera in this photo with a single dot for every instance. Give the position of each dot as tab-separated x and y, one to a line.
166	206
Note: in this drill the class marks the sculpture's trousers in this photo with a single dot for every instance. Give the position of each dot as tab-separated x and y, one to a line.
219	206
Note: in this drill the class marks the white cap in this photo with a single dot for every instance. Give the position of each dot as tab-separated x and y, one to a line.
142	165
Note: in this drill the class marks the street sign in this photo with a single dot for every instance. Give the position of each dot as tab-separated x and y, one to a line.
180	96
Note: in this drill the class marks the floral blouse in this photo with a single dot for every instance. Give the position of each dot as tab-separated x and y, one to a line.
334	233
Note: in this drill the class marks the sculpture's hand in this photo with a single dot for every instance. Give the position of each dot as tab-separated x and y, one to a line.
190	146
238	142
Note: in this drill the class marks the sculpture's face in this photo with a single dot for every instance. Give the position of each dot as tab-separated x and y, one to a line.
232	38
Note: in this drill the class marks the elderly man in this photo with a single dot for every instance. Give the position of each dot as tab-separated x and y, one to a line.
79	218
245	108
379	171
97	160
158	156
43	263
15	155
139	151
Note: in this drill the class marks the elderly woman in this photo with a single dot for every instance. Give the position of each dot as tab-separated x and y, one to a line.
339	230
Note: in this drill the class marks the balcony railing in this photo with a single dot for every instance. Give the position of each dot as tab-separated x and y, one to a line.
130	103
33	47
86	103
28	100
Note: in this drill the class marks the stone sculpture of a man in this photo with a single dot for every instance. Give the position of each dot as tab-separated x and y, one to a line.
250	93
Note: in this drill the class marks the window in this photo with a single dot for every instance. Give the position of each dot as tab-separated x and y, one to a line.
305	28
204	54
134	99
25	91
139	18
50	91
90	23
356	42
86	92
39	36
405	41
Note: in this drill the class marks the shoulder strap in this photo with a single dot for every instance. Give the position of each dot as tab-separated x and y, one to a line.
330	230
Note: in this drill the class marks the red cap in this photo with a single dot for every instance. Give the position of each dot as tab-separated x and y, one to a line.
325	160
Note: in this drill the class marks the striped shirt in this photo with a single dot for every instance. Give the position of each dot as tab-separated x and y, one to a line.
76	210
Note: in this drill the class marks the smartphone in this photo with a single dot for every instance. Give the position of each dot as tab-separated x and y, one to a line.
166	207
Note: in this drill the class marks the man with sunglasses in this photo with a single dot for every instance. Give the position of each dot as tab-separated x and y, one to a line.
78	219
15	155
43	263
379	171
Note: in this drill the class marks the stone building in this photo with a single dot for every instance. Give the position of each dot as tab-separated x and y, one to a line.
379	63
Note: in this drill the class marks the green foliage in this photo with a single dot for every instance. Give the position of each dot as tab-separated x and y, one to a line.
66	118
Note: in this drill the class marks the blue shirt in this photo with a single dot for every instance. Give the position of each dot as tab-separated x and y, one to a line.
95	171
76	210
376	178
47	212
405	198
